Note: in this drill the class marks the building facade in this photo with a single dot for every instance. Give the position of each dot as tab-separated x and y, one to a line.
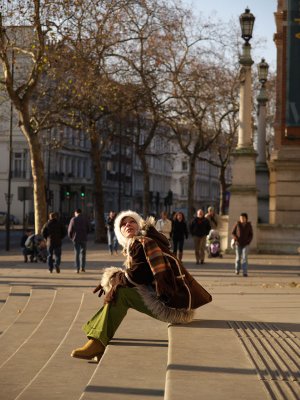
285	158
69	180
69	175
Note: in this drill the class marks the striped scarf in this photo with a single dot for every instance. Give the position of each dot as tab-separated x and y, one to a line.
154	255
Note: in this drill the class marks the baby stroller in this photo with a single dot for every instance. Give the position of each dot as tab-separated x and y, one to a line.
213	244
36	247
42	250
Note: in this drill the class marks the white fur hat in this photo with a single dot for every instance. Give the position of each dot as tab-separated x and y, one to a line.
139	220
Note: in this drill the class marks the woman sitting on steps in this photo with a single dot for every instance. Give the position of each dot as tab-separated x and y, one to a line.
147	284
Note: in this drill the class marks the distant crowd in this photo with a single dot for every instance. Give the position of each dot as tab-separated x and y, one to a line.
47	246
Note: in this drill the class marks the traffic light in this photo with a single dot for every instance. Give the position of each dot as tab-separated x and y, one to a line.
82	192
67	192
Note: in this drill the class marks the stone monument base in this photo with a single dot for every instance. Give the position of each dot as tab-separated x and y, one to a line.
285	186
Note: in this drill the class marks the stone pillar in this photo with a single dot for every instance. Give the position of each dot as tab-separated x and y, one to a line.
262	171
243	192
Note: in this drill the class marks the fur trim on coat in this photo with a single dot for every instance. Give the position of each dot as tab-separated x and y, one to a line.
161	310
106	281
139	220
157	307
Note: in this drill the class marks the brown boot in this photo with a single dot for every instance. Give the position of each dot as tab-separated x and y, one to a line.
93	348
180	255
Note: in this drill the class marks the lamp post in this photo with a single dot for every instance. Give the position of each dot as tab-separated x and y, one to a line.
262	171
245	138
262	99
10	155
243	191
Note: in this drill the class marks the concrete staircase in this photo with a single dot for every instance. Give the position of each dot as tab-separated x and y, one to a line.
223	354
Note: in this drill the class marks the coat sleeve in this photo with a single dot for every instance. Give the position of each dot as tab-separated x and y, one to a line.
192	227
234	232
45	231
186	232
70	228
250	237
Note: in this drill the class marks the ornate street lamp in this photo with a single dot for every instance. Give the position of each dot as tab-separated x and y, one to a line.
262	171
262	99
243	190
247	22
263	69
245	138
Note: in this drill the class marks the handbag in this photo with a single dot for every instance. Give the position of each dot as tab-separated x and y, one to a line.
189	289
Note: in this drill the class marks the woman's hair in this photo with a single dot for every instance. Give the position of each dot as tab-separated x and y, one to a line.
180	213
245	215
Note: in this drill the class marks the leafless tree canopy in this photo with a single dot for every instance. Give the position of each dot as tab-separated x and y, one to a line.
96	64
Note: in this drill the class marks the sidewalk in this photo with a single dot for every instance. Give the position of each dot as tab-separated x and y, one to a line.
243	345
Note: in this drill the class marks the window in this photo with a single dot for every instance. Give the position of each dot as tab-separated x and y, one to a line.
183	189
84	171
184	165
19	164
78	175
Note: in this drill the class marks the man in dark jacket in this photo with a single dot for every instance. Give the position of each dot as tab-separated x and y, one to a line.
78	231
200	228
54	231
242	234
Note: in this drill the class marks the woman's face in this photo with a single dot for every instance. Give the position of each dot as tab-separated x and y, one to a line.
129	227
179	217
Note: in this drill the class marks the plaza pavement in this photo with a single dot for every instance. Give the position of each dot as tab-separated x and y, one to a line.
243	345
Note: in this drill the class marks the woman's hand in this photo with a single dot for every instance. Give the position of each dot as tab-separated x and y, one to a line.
99	289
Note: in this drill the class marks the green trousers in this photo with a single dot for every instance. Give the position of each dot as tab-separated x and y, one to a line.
106	321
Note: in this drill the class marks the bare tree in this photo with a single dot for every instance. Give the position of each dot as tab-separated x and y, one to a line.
67	83
26	43
147	26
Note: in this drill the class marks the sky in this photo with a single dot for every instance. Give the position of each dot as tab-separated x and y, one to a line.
264	25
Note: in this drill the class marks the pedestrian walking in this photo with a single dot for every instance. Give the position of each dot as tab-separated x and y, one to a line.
53	232
179	233
212	218
199	229
78	230
242	233
111	237
164	225
147	285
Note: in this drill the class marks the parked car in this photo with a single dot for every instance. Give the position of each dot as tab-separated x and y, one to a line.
13	219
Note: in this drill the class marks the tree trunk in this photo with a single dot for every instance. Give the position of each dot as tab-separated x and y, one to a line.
100	235
146	185
191	188
38	174
223	187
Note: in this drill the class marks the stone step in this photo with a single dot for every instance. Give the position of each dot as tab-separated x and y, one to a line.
195	365
4	293
134	364
21	370
16	301
29	320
